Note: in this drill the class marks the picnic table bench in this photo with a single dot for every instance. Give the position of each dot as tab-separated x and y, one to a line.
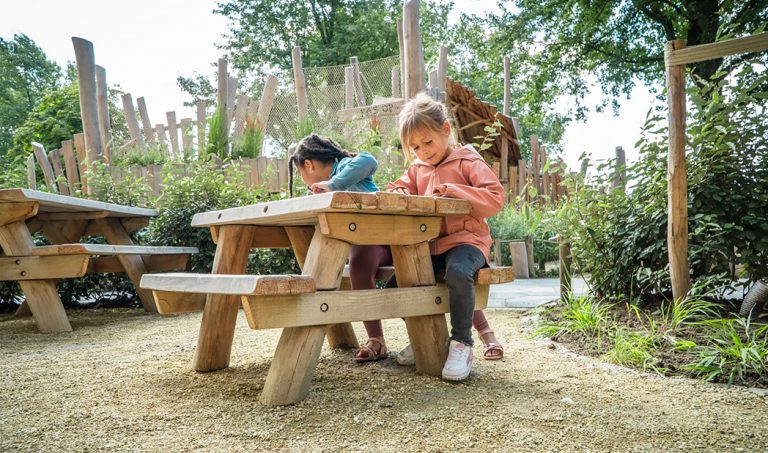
310	307
63	220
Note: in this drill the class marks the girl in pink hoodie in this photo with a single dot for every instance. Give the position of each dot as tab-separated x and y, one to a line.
444	169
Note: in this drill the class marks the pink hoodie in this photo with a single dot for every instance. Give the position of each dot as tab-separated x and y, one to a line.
462	174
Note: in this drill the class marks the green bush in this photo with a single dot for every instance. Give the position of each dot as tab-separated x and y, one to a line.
619	238
205	189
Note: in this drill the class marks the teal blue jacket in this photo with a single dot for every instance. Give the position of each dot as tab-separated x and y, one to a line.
354	174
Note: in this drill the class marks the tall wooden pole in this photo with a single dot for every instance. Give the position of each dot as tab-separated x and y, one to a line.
357	82
105	127
401	45
396	82
300	82
677	190
89	112
200	127
222	99
414	53
504	176
130	118
620	170
349	88
146	125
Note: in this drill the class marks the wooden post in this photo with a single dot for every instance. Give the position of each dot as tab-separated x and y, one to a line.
414	53
86	79
146	125
54	156
519	258
241	110
45	165
130	118
395	84
349	88
529	252
401	46
357	82
545	174
173	132
200	127
677	190
160	131
265	104
620	168
299	82
442	70
83	161
221	102
231	96
523	191
186	136
432	84
535	163
70	165
105	127
566	277
31	173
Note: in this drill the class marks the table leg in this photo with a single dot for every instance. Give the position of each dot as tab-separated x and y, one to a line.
428	334
339	335
217	329
134	265
299	348
293	365
41	295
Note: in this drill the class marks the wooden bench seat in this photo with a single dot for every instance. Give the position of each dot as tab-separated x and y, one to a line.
185	292
486	276
106	249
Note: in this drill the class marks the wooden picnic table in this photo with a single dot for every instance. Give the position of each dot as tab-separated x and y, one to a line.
63	221
320	229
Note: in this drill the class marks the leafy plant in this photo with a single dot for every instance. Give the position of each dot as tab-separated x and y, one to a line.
736	350
632	349
583	314
251	143
218	138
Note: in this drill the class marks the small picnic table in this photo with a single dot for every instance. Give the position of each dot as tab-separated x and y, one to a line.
320	229
63	220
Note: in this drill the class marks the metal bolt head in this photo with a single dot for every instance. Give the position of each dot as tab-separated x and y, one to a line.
23	273
18	262
438	300
352	226
323	307
423	228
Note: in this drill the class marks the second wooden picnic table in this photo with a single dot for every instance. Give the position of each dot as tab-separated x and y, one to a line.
320	229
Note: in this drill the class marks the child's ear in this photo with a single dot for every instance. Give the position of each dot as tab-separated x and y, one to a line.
446	127
308	165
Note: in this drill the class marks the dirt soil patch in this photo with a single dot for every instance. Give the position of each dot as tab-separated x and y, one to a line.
122	381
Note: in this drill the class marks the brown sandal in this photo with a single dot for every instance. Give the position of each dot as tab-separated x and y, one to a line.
491	350
370	353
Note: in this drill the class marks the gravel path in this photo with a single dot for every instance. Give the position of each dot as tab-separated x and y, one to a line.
122	381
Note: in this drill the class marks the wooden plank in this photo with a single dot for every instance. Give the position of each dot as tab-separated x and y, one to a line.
186	136
45	165
173	133
70	166
545	174
222	93
677	190
681	55
102	110
369	111
428	334
17	212
264	237
82	161
365	229
349	88
146	125
299	82
241	110
61	183
392	202
495	275
217	329
232	83
535	163
395	83
325	260
56	216
31	173
255	285
169	302
452	206
293	365
61	203
160	132
413	49
86	79
267	98
357	83
200	127
132	120
334	307
41	295
108	249
42	267
154	263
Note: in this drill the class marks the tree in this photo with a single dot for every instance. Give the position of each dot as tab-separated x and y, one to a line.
25	76
262	34
616	42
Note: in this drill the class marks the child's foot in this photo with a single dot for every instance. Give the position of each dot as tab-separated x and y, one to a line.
374	349
459	362
406	357
492	349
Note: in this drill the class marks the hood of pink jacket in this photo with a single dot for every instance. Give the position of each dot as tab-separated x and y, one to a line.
463	174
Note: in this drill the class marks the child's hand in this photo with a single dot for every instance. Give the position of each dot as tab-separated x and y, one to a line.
320	187
401	190
439	190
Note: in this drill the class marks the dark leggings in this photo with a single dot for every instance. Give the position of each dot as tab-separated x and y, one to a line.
460	264
364	261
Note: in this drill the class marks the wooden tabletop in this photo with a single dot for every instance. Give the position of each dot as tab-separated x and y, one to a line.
305	210
54	203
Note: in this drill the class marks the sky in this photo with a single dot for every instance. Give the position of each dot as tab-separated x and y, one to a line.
145	45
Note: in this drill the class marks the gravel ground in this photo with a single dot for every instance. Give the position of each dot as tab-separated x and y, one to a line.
122	381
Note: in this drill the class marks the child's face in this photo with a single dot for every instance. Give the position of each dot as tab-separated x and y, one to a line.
431	146
313	171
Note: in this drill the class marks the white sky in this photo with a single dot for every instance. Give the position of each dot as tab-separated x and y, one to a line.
144	45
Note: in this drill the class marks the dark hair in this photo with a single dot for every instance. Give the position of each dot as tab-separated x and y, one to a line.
315	147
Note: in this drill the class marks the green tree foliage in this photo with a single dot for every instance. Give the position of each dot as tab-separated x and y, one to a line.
556	43
25	76
262	34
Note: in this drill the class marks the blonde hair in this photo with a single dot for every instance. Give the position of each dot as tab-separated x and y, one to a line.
423	112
